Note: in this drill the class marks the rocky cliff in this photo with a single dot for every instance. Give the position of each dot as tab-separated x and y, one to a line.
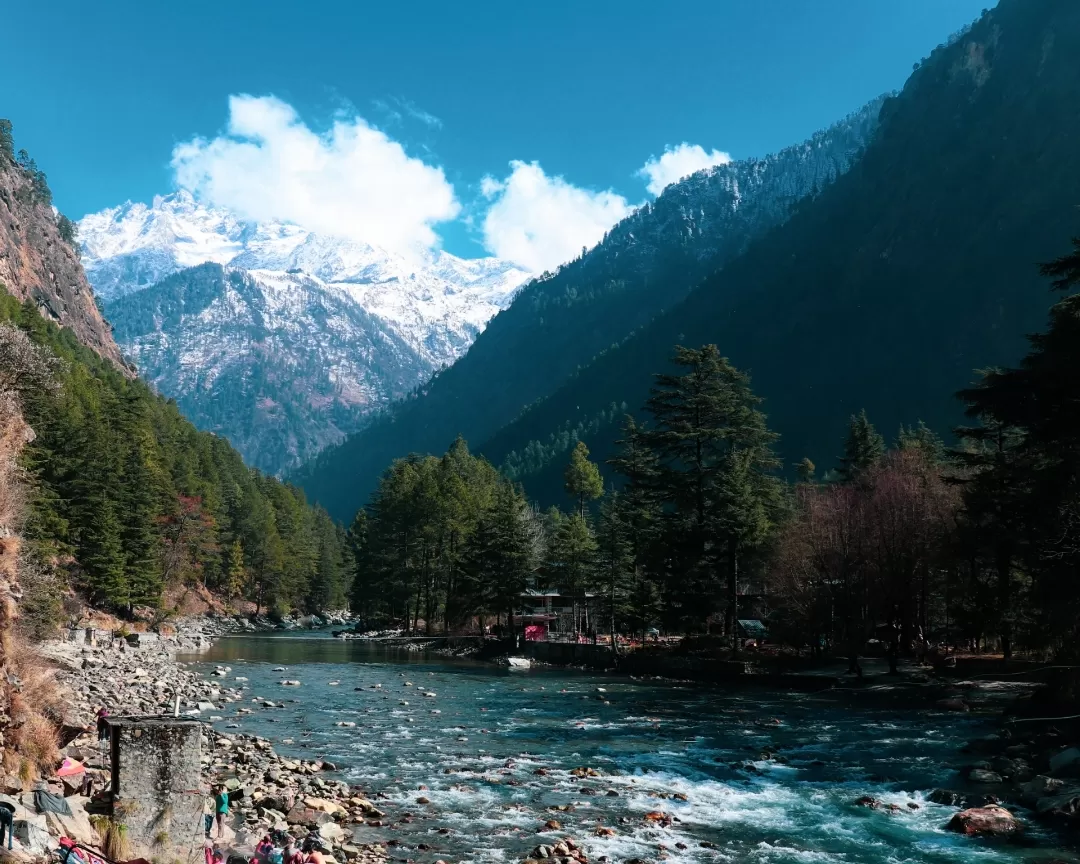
38	264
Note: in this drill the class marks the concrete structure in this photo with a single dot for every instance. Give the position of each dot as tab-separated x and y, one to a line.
156	795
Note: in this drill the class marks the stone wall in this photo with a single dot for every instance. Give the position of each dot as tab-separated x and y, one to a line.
157	764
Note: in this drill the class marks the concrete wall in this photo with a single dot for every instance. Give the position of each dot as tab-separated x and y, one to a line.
157	766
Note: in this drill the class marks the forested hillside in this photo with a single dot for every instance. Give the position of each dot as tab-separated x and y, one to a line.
561	321
126	497
894	284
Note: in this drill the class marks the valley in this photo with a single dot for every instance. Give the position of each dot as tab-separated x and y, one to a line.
602	467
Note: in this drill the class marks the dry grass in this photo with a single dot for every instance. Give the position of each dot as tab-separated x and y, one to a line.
35	708
114	838
38	690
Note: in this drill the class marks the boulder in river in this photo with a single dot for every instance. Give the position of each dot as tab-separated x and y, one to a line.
1039	787
1065	759
947	797
992	821
981	775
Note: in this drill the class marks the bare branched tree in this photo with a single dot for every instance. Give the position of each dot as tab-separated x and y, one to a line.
25	366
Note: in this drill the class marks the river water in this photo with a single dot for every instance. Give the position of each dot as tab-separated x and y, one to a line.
479	741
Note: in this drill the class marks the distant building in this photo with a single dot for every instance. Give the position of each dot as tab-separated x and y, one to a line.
551	615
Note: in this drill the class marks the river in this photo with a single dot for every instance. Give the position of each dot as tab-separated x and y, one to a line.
479	741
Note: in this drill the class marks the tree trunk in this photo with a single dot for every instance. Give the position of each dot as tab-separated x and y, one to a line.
733	596
1004	567
614	643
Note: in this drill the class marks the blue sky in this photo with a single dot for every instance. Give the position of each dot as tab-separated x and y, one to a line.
102	94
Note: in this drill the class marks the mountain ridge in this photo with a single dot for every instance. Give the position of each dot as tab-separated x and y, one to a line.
902	278
561	321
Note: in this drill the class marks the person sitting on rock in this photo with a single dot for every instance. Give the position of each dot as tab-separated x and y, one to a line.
263	848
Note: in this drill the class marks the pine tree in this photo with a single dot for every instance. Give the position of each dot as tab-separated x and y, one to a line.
101	553
571	562
357	539
748	501
864	447
640	509
921	437
805	470
133	493
1022	504
236	576
7	141
501	554
615	560
142	559
583	479
715	474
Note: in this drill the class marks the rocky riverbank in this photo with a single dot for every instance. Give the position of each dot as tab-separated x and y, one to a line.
307	797
1036	768
140	675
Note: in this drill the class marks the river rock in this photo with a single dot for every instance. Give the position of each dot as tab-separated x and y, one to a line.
1038	787
34	838
1065	759
981	775
76	826
1013	768
986	821
301	815
331	831
868	801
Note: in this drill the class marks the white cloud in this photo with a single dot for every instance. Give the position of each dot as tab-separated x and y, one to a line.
679	162
351	181
539	222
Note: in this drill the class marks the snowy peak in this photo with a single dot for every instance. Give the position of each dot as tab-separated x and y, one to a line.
434	301
176	232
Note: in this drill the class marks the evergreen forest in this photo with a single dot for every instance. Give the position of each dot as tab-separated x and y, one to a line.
905	542
126	497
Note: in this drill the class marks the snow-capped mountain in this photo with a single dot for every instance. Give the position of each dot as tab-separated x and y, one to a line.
279	363
435	301
292	338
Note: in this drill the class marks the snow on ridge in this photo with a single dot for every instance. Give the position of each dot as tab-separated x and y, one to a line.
435	301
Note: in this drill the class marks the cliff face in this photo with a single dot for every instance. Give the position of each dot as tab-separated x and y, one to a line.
36	263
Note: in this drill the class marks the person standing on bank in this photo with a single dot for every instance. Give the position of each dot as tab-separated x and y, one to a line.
221	809
102	734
